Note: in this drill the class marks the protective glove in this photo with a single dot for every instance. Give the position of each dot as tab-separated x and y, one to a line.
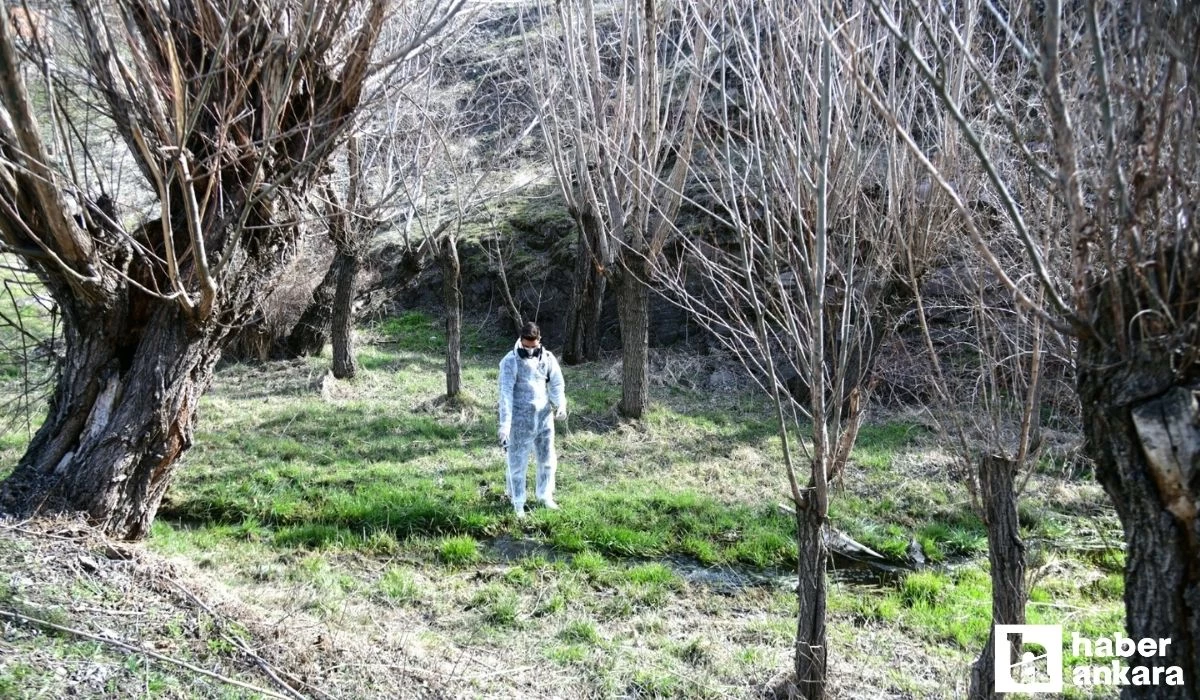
502	436
561	412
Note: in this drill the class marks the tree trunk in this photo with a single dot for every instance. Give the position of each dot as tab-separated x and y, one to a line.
1141	426
587	296
811	652
312	330
342	325
122	414
1147	456
633	310
1006	554
451	271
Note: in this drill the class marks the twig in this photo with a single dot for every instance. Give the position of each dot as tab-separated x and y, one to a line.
509	671
106	611
262	663
35	533
140	650
508	298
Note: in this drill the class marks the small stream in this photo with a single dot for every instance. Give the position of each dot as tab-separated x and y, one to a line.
725	579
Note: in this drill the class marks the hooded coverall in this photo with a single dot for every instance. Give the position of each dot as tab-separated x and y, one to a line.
531	391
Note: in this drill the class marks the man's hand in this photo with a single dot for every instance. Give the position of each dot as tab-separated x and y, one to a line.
561	412
502	436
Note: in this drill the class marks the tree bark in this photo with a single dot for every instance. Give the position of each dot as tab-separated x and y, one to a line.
1006	554
1141	426
312	330
342	325
811	658
451	272
587	296
633	310
1143	432
122	414
345	235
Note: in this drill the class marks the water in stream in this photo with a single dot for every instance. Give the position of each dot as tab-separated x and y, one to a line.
727	580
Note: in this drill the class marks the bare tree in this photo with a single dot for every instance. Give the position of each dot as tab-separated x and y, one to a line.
803	277
986	358
619	104
227	112
987	406
1099	107
372	201
424	178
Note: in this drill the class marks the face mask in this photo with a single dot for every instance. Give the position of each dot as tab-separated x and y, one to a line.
525	353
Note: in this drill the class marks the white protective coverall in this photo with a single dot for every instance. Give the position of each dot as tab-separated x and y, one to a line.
531	391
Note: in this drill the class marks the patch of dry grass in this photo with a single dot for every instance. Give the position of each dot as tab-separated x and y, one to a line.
81	616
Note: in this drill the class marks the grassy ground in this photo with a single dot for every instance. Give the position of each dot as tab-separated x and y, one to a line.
372	512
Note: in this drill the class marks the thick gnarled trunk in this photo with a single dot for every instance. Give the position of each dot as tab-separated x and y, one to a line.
1141	426
1006	555
116	425
633	310
257	110
1147	456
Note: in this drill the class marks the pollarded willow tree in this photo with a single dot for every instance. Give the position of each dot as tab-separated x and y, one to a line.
364	203
818	221
990	364
426	177
226	112
618	101
994	369
1099	105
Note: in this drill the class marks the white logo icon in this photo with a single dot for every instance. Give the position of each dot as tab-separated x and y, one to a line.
1039	664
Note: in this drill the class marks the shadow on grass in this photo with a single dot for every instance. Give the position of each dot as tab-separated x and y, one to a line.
369	472
299	507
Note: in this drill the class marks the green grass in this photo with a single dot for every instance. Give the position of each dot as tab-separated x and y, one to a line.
289	487
371	473
413	331
568	654
398	585
654	684
460	550
590	564
580	632
497	606
653	574
877	445
923	588
383	468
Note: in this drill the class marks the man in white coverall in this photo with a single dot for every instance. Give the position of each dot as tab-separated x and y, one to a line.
531	396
